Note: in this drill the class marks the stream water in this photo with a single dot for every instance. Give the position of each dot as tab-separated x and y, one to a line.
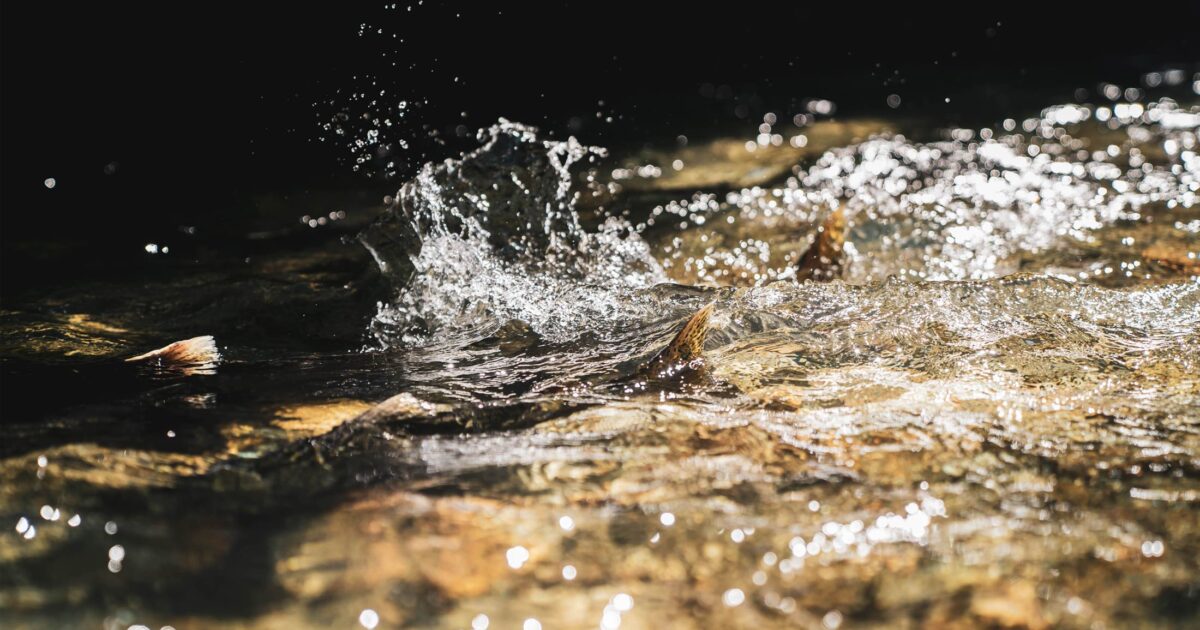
991	419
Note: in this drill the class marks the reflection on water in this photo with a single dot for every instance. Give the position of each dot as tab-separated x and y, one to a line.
990	420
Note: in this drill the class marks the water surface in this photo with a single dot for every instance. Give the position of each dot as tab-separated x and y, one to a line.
989	420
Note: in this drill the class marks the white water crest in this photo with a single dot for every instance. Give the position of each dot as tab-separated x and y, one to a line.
495	236
975	205
473	243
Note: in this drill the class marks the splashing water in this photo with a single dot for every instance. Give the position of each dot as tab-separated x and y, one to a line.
495	236
990	421
975	206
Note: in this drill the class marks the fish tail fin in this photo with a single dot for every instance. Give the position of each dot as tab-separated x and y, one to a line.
825	258
197	355
689	343
833	230
687	346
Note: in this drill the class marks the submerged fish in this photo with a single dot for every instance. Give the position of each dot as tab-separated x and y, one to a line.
681	360
512	190
101	380
680	363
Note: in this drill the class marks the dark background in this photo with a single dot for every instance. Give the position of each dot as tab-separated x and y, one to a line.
154	117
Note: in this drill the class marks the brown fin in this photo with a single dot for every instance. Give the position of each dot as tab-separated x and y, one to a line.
686	347
198	355
825	257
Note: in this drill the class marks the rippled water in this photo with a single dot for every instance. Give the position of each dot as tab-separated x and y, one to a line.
990	419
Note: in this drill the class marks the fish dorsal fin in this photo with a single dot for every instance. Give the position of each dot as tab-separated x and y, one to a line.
198	355
825	257
685	348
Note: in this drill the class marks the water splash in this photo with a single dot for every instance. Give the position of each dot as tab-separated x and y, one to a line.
1022	448
495	236
979	204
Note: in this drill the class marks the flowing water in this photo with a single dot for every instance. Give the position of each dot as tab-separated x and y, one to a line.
991	419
